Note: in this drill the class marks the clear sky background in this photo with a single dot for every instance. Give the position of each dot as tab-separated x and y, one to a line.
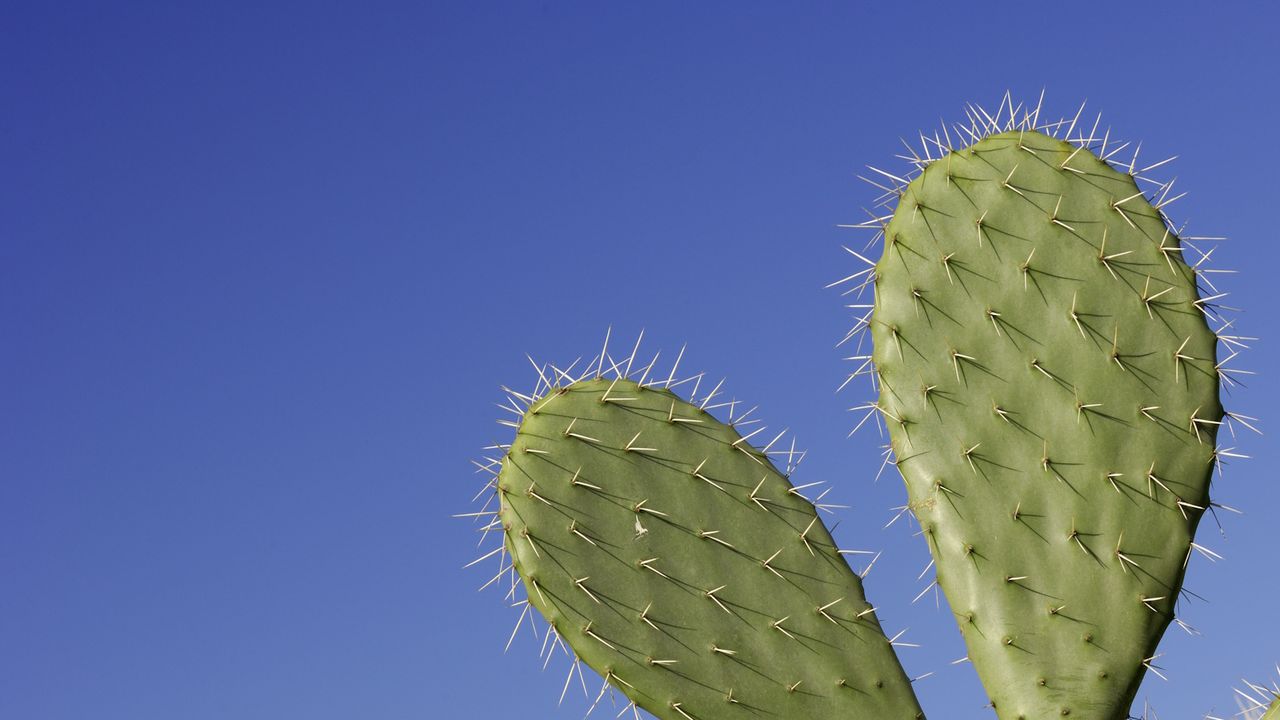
264	265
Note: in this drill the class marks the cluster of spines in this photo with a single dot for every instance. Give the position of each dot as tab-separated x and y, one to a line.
1255	701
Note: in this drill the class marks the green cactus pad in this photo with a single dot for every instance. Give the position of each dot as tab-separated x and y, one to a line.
682	566
1049	383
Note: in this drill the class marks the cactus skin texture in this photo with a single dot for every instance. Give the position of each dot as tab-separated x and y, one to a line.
1273	712
1048	381
677	562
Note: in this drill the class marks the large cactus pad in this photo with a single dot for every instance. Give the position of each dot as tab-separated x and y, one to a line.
1048	380
682	566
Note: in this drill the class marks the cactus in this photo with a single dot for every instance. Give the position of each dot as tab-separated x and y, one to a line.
1048	379
675	559
1050	382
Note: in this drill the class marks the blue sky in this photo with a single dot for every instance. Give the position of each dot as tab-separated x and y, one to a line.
263	267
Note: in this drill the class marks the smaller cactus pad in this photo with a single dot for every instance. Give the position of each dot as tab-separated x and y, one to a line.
680	564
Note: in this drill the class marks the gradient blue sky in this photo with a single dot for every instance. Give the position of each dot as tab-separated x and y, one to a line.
263	266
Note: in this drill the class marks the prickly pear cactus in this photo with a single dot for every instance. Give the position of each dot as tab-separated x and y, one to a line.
1048	380
676	561
1050	384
